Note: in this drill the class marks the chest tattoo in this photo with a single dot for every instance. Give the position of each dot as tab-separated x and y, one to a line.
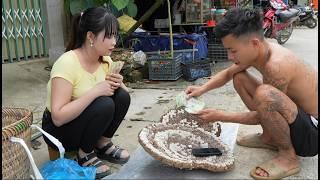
270	77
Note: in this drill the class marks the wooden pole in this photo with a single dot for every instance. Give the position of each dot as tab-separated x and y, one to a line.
170	28
145	16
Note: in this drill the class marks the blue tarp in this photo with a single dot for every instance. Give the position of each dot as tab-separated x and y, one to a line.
148	43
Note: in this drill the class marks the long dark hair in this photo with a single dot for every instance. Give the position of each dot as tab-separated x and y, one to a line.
95	19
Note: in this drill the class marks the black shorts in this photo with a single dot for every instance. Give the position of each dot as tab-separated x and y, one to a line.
304	135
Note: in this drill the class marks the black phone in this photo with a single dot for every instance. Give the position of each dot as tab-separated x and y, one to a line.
204	152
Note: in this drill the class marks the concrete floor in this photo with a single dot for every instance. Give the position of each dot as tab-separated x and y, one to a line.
24	85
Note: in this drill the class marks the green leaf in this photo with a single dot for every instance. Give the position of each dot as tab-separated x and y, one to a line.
67	6
77	6
132	9
91	3
120	4
113	10
99	2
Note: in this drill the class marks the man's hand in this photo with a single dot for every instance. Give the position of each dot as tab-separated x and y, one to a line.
210	115
194	91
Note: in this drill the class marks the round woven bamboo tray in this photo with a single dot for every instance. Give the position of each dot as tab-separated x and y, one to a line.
172	145
15	123
171	142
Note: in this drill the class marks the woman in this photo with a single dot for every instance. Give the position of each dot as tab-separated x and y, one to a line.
86	103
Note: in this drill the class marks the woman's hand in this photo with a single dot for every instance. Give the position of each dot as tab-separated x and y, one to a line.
104	88
194	91
210	115
116	79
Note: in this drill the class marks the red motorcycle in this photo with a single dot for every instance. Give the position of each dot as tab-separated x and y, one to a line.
278	20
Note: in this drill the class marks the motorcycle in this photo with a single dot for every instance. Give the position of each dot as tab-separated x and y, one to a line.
307	16
278	20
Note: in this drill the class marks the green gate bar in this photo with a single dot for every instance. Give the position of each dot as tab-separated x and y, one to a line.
5	33
34	3
23	33
15	33
30	27
44	33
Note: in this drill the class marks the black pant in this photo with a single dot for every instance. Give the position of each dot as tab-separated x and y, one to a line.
101	118
304	135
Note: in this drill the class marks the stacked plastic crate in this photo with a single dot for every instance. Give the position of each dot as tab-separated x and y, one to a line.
195	70
216	51
190	54
165	69
162	67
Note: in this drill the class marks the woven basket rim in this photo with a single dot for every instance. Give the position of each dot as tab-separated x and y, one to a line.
10	127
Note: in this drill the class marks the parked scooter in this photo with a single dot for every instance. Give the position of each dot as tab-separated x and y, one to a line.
307	16
278	20
314	11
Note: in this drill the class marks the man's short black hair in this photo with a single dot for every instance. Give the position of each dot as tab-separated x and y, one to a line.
240	21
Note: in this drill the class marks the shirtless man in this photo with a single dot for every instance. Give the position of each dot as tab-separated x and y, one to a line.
284	102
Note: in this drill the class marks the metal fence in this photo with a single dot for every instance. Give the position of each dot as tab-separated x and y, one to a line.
23	33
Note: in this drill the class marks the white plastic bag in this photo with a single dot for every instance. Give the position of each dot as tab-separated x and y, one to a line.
58	169
140	57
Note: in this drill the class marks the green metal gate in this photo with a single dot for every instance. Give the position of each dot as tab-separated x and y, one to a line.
23	33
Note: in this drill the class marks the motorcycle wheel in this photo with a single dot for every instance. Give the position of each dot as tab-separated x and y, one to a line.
267	32
311	23
284	35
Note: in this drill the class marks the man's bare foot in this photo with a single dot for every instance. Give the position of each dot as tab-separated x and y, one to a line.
266	139
256	140
284	161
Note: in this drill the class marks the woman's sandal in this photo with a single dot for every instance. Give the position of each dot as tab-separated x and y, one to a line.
96	163
114	156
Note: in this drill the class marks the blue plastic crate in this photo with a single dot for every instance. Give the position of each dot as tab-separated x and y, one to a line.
188	55
193	71
163	68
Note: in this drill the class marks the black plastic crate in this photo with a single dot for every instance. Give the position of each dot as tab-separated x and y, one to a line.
162	67
214	40
193	71
216	52
211	35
